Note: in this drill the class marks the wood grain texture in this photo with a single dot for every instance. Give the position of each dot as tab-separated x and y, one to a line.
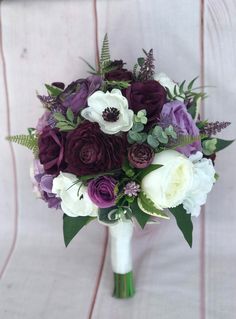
42	42
220	66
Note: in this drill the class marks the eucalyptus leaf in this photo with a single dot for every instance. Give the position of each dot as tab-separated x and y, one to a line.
138	127
152	141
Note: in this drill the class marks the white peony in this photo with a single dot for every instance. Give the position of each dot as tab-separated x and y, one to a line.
203	180
167	186
74	197
165	81
110	110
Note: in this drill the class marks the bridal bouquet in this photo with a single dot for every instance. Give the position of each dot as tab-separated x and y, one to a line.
123	147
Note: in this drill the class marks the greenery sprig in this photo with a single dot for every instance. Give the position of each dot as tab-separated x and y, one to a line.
67	122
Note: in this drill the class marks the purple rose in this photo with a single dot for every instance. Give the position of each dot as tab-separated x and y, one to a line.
51	150
148	95
140	155
43	121
102	191
42	185
176	113
76	94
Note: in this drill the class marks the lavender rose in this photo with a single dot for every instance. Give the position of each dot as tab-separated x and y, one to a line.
76	94
42	185
148	95
51	150
140	155
102	191
176	113
43	121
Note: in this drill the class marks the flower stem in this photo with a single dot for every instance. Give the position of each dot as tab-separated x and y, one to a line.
123	285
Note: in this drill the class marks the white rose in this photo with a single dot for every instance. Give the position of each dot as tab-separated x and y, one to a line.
165	81
203	180
74	197
167	186
110	110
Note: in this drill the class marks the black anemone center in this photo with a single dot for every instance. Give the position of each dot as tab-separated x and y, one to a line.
111	114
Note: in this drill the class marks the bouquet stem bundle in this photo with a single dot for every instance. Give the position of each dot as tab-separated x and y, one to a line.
121	258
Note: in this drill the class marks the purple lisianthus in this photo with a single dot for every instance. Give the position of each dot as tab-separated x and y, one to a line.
76	94
102	191
177	114
42	185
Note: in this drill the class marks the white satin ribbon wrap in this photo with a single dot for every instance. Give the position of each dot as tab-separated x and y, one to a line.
121	253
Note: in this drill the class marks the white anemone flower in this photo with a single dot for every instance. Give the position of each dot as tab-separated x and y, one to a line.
110	110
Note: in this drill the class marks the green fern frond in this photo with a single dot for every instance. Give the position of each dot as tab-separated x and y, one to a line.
29	141
105	52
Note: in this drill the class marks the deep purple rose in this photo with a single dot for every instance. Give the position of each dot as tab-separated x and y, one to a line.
140	155
148	95
88	150
51	150
42	184
176	113
76	94
102	191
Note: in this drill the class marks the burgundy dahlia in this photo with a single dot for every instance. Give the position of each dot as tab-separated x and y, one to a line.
89	150
102	191
149	95
140	155
51	150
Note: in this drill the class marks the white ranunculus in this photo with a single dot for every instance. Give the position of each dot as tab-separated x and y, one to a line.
167	186
165	81
110	110
203	180
74	197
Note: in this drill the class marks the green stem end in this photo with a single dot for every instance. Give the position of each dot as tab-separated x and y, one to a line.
124	285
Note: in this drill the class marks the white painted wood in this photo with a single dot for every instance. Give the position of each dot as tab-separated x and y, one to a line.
220	48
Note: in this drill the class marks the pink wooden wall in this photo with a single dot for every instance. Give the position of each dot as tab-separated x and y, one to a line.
41	41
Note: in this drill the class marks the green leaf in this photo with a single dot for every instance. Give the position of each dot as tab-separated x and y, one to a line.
53	90
108	215
140	61
152	141
192	110
149	207
141	217
70	115
72	225
221	144
145	171
181	87
135	136
183	140
59	117
89	65
190	86
138	127
184	222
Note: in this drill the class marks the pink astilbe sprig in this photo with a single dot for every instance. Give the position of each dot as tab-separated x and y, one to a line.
212	128
132	189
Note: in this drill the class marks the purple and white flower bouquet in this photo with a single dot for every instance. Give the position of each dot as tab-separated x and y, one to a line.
123	147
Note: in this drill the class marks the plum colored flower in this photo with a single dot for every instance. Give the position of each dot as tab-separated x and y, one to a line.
140	155
149	95
178	115
110	110
102	191
118	73
88	150
76	94
51	150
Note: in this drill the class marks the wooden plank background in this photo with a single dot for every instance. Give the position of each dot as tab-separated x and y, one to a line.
41	41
